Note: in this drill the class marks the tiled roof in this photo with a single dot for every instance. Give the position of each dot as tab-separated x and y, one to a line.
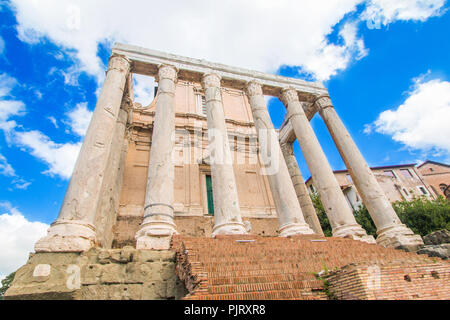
253	267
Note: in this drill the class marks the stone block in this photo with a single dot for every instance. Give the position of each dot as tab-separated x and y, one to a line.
54	258
90	274
137	272
440	251
167	270
147	256
156	290
438	237
113	274
104	257
168	255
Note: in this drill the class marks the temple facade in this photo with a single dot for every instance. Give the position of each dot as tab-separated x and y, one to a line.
198	196
204	159
193	204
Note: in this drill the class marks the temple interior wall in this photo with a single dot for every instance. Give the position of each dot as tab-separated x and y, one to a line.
191	158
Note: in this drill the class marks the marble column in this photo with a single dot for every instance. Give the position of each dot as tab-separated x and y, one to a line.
227	214
74	230
158	226
110	193
287	206
309	212
339	214
391	232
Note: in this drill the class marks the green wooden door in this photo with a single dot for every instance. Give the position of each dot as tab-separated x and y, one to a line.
209	193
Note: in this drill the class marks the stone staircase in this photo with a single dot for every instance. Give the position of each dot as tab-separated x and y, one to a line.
254	267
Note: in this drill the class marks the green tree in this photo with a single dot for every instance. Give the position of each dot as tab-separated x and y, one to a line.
6	283
321	214
424	216
421	215
362	216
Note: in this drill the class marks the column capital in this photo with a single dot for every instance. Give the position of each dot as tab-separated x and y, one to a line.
253	88
322	102
288	95
119	62
211	79
166	71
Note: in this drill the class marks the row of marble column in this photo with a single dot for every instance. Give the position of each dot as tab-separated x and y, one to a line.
74	229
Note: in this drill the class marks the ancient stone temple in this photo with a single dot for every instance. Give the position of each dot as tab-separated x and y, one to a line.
197	195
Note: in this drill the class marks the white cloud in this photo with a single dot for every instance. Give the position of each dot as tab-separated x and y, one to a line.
79	119
60	157
17	238
8	107
388	11
258	34
144	89
21	184
331	58
261	35
7	83
8	171
53	121
5	167
422	121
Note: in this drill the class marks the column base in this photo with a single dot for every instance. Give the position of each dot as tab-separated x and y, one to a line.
355	232
295	229
155	236
67	236
399	237
229	228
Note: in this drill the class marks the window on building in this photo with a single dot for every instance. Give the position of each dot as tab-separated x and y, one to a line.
442	187
406	173
201	104
423	190
349	178
389	173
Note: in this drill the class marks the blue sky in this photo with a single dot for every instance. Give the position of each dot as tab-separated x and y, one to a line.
385	64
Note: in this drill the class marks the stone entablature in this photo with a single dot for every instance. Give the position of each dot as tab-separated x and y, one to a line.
146	62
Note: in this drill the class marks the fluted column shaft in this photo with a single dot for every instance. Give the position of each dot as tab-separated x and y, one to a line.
74	230
339	214
391	232
158	225
306	204
288	208
227	214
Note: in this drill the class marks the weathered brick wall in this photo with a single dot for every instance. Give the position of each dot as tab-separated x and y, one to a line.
395	282
252	267
99	274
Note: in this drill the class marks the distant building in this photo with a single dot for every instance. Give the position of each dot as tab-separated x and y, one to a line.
437	175
399	182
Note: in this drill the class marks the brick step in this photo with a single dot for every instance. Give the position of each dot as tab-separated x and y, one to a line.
273	268
248	259
296	294
266	286
302	276
285	267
